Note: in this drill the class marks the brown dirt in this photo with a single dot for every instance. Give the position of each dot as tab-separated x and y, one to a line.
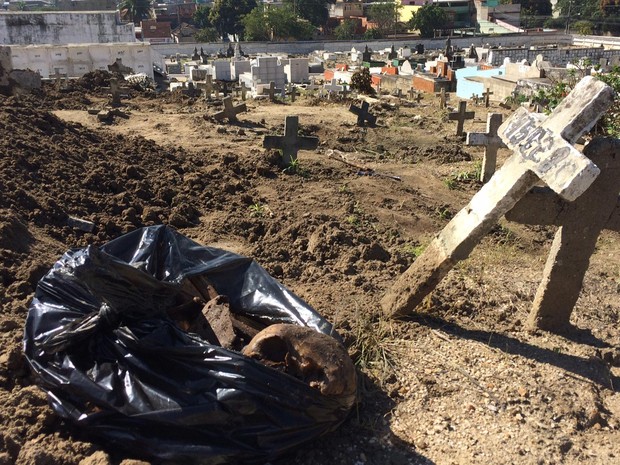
459	382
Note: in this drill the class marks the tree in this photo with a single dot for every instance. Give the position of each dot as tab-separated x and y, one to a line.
428	18
136	9
276	24
314	11
226	16
361	81
207	34
385	15
201	17
537	7
345	30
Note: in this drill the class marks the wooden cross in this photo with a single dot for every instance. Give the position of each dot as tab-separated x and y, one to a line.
542	150
116	90
485	95
230	112
580	223
363	114
333	87
290	143
491	142
461	116
442	98
293	92
272	91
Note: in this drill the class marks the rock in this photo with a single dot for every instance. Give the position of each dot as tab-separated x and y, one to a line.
98	458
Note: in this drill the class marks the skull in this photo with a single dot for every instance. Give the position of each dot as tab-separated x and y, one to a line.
315	358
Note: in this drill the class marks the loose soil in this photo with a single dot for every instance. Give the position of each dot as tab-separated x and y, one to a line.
459	382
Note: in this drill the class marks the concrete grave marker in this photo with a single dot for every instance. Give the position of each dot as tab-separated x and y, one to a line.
461	116
363	114
345	91
207	86
491	142
290	143
485	95
475	98
542	150
580	223
443	98
244	91
60	80
230	112
333	87
117	91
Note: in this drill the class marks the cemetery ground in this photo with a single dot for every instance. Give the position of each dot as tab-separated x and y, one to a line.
461	381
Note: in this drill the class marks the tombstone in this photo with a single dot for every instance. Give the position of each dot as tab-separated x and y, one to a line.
366	55
191	90
398	93
475	98
230	112
542	151
473	53
203	57
491	143
216	89
230	52
290	143
392	55
580	223
195	55
345	91
448	51
415	95
443	98
292	91
363	114
117	91
207	86
244	91
460	116
485	95
333	87
271	91
60	80
419	49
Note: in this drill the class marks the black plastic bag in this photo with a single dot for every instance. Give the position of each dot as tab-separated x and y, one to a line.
111	360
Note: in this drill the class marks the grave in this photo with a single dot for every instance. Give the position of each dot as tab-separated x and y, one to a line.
542	151
271	91
580	223
485	95
230	112
117	91
191	90
333	87
344	93
475	98
207	86
363	114
491	143
415	95
61	80
290	143
461	116
443	97
292	91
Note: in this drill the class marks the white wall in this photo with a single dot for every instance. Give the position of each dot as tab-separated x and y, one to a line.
79	59
68	27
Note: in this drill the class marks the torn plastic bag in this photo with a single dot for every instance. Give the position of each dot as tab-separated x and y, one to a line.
111	360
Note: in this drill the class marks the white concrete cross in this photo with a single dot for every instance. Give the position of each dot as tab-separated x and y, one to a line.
333	87
542	150
491	143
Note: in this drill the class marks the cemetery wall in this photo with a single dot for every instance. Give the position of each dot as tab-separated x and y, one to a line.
308	47
25	28
558	56
77	60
